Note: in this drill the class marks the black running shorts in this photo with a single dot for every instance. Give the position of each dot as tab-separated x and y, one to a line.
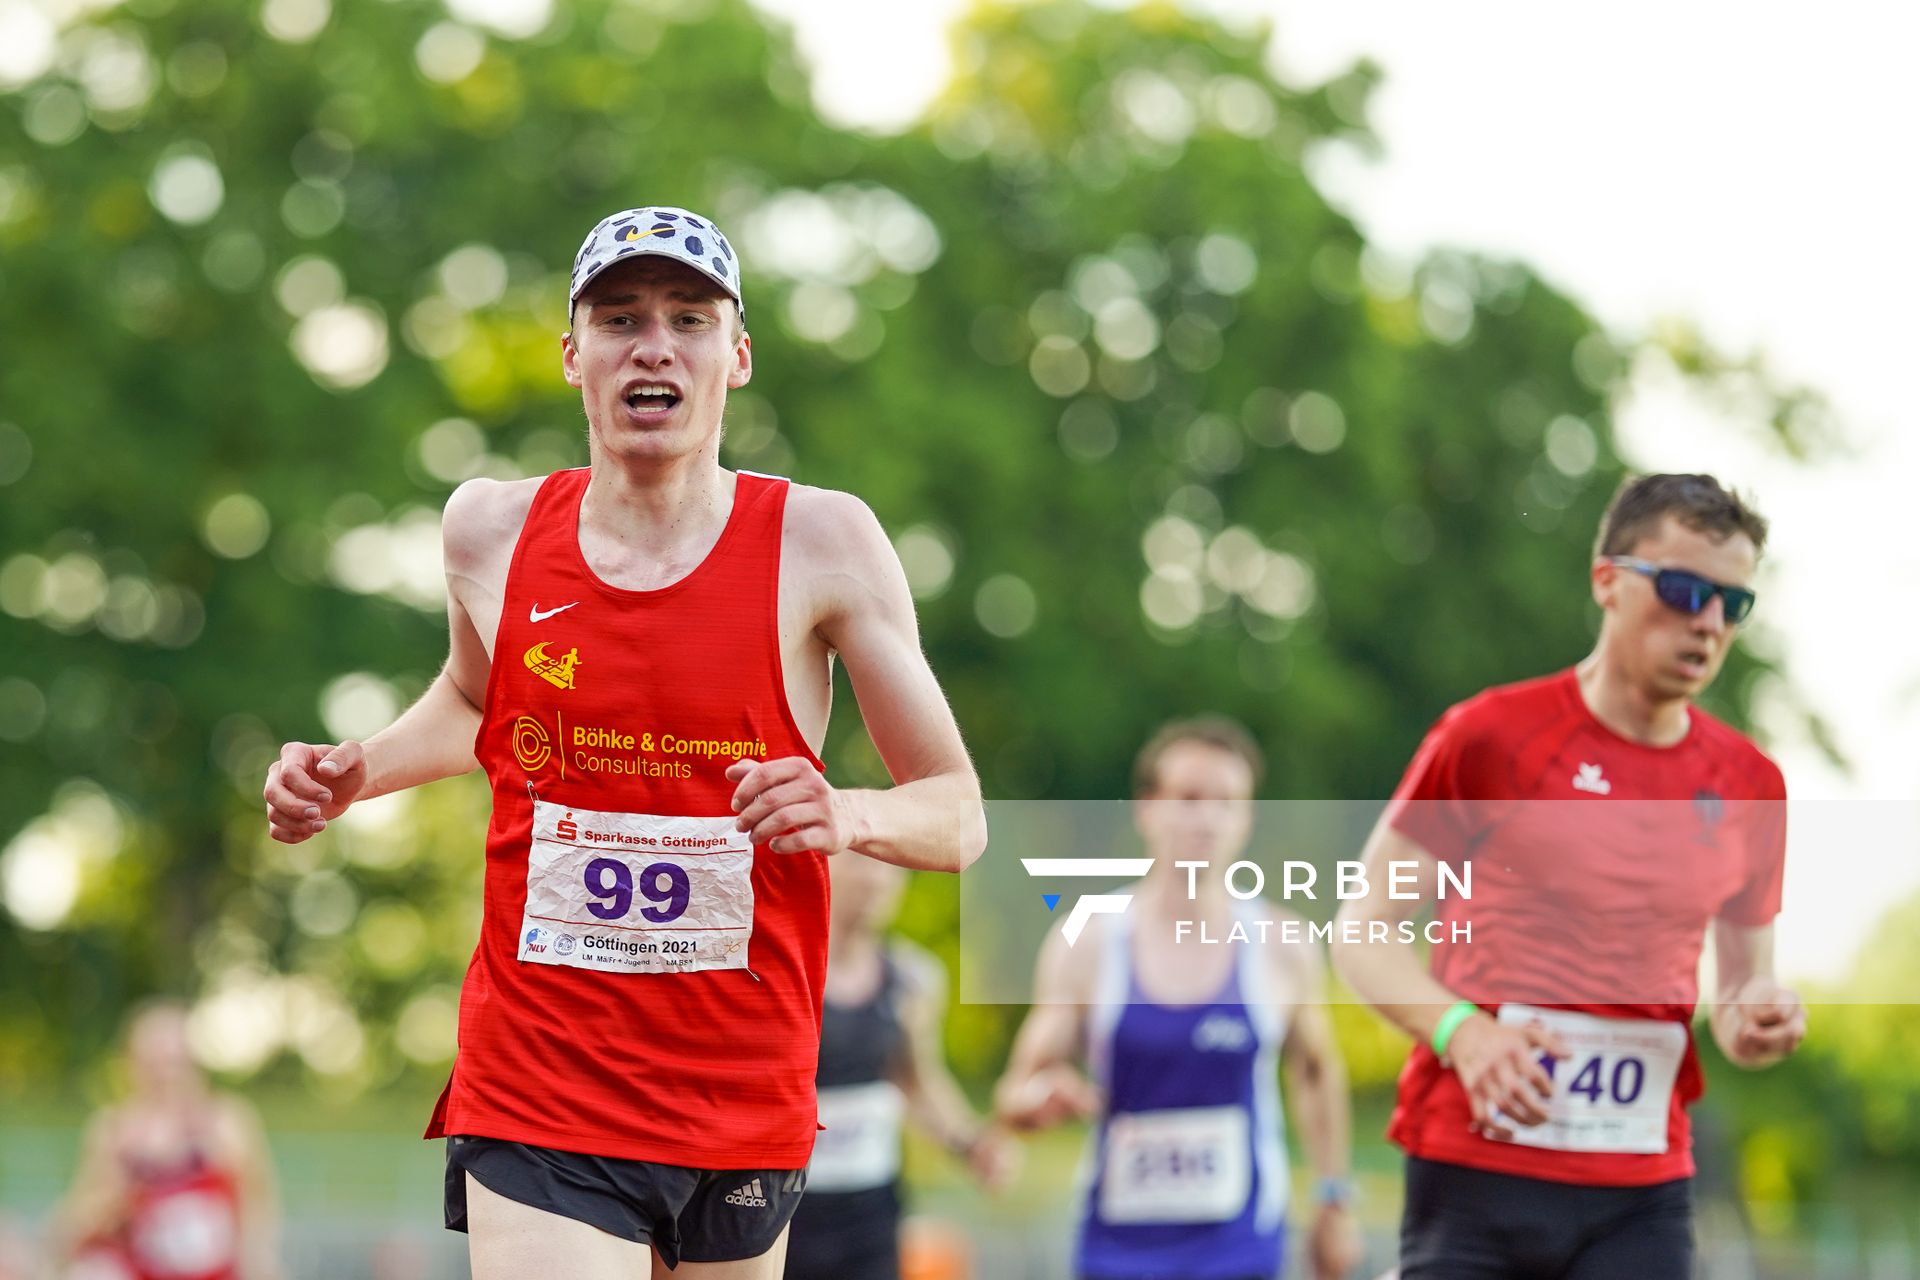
692	1215
1470	1224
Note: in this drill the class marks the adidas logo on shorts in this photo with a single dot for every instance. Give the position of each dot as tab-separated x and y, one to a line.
749	1196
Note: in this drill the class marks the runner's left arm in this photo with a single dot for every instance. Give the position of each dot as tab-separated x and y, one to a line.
931	819
934	1099
1755	1020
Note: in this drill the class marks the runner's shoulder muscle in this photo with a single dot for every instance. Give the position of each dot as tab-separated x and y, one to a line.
478	532
836	555
481	524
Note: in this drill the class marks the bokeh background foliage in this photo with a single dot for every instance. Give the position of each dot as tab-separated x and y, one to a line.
1152	426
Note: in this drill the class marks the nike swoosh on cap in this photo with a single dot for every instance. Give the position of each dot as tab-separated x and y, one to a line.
534	614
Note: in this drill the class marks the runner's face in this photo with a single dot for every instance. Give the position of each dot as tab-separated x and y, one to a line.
865	891
655	325
158	1053
1668	653
1201	809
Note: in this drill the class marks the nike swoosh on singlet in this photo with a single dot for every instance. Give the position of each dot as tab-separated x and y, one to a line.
534	614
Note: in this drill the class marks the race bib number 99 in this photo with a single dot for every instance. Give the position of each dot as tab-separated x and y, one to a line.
636	893
1615	1090
1193	1164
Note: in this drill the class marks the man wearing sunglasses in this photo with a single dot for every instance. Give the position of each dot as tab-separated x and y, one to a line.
1603	826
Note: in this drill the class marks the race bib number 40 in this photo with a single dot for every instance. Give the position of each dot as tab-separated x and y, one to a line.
1615	1090
1193	1164
635	893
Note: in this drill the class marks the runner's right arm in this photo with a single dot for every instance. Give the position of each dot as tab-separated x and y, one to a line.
313	783
1041	1086
1499	1065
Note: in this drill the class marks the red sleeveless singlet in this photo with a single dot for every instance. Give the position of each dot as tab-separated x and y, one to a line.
182	1222
646	985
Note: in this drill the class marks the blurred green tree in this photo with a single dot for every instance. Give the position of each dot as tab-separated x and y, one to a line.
1154	428
276	278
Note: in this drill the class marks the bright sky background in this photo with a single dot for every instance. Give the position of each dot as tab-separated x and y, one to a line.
1747	167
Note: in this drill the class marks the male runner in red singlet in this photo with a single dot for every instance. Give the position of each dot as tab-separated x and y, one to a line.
1543	1107
641	661
174	1183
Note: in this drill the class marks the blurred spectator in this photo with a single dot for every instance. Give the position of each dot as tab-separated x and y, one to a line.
175	1182
16	1250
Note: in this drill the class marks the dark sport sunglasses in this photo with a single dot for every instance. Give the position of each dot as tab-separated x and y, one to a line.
1689	592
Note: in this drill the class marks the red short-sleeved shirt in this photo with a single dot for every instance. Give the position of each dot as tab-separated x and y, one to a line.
1597	865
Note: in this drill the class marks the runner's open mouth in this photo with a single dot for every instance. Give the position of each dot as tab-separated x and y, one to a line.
652	397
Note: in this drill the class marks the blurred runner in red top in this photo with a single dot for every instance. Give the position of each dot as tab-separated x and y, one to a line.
175	1183
641	660
1604	824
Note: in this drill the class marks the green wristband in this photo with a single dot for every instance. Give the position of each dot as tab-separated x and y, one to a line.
1449	1023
